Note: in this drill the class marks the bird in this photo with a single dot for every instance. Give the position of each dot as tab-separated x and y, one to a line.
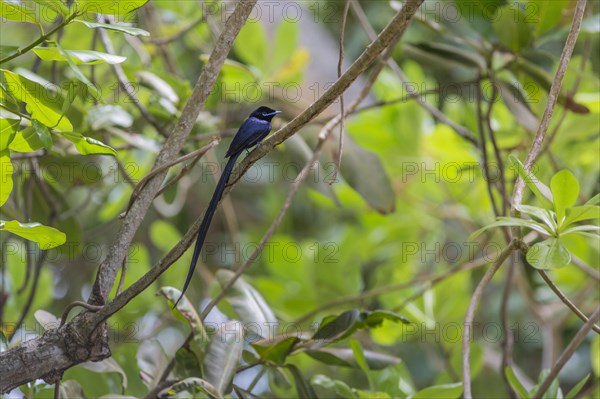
252	131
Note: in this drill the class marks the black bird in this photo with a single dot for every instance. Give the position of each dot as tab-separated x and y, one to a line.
252	132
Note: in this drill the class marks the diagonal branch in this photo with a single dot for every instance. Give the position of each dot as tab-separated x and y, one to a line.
108	269
565	57
81	340
393	29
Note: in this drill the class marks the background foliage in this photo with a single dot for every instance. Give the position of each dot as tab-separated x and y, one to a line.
362	291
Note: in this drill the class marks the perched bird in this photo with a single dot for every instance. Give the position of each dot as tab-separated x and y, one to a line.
252	132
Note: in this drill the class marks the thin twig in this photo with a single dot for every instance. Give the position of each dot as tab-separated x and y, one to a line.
338	157
142	183
566	300
483	149
470	315
39	40
122	277
567	353
388	37
508	340
108	269
590	271
92	308
553	95
323	135
161	41
125	84
436	113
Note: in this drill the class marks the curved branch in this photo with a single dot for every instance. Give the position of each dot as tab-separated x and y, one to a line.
466	338
108	269
567	353
565	57
566	300
80	339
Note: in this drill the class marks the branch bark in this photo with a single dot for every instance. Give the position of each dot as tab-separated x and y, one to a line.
84	338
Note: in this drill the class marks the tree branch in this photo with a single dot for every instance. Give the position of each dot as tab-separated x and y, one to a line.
466	338
81	340
565	57
567	353
108	269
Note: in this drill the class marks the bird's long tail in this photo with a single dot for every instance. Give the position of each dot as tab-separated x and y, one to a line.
210	211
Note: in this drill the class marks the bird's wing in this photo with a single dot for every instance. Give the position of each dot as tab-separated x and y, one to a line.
248	135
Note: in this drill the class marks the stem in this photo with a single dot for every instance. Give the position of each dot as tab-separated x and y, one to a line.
39	40
466	342
567	353
566	300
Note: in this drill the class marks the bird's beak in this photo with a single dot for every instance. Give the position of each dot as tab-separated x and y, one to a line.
276	112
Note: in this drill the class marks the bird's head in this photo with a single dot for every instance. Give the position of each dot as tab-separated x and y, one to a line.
264	113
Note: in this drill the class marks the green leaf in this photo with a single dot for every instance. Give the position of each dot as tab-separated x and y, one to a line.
27	140
275	350
357	350
88	145
541	191
364	172
565	190
553	390
579	213
102	116
243	393
194	385
251	44
186	363
543	215
444	391
548	14
511	28
548	254
339	387
514	382
68	57
108	365
303	388
595	355
46	237
46	319
56	5
17	12
247	302
517	104
512	222
581	229
130	30
223	355
544	80
575	390
8	127
40	103
335	327
286	41
159	85
595	200
43	134
85	57
344	357
6	172
110	7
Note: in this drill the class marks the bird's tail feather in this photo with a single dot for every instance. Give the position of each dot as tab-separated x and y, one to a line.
210	211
